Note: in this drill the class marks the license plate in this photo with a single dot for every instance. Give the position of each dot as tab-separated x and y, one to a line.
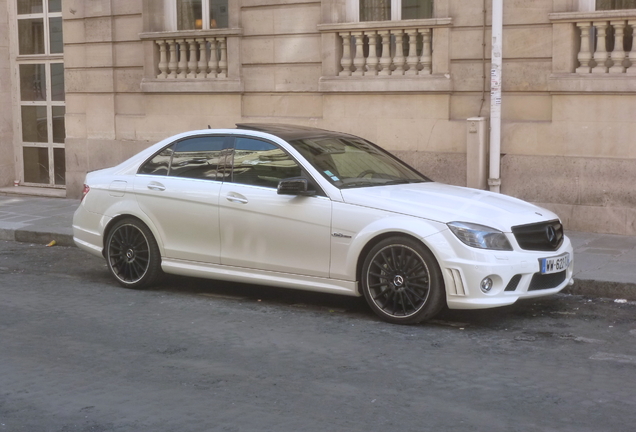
555	264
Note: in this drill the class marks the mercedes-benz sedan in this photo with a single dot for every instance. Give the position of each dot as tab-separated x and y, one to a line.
311	209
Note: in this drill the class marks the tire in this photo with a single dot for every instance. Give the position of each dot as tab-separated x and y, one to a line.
132	254
402	281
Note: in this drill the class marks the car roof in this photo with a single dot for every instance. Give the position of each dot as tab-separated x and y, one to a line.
291	132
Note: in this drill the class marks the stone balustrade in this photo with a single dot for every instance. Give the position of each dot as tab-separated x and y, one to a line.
603	43
192	58
194	54
386	52
385	48
603	47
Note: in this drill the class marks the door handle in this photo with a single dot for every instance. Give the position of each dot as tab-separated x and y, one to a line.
232	197
156	186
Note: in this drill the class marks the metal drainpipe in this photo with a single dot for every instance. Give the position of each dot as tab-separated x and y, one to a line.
495	96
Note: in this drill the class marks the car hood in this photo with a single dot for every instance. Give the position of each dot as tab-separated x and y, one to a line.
445	203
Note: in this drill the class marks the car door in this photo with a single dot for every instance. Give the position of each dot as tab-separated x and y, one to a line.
179	191
263	230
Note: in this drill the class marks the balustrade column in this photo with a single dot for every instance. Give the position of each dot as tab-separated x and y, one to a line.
601	55
373	60
213	64
203	59
163	59
585	53
399	60
359	61
427	58
223	59
192	63
346	61
411	59
172	64
632	54
618	54
385	60
183	59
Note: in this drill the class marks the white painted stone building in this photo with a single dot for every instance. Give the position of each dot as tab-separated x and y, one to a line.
86	83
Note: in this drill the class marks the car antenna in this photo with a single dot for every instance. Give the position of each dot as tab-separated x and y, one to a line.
209	127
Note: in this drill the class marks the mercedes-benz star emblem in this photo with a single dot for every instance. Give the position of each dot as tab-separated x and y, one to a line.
551	234
398	281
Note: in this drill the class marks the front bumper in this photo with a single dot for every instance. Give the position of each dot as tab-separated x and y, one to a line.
515	274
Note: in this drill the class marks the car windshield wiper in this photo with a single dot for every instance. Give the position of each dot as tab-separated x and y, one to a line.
402	181
357	184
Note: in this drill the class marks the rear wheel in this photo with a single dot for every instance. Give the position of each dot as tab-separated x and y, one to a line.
402	281
132	254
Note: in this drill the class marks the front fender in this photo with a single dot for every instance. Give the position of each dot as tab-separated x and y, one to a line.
355	227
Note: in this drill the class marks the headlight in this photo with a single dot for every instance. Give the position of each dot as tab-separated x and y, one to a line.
479	236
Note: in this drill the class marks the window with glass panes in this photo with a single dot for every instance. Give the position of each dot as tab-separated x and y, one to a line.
386	10
196	14
615	4
41	92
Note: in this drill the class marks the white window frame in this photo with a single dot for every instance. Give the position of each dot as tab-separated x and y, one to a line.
353	10
587	5
170	14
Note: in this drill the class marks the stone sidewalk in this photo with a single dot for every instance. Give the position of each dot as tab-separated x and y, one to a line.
604	264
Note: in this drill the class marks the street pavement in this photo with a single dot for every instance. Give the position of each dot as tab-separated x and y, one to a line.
78	353
605	264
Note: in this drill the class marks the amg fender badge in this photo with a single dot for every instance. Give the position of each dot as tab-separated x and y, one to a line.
340	235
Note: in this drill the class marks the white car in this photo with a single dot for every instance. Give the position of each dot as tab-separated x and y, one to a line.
311	209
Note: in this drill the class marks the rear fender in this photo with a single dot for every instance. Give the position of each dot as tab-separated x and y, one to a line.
128	208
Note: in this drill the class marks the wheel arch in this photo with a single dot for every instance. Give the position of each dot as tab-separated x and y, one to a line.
377	239
112	222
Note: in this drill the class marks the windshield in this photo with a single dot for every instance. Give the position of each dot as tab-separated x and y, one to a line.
349	162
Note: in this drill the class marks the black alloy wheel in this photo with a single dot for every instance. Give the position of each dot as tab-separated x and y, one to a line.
402	282
132	254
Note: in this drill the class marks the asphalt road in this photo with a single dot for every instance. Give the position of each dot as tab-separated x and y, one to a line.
79	353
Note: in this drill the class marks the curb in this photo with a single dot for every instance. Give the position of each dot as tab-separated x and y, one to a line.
594	288
585	287
37	237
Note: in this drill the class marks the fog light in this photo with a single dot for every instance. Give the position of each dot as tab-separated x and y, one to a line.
486	285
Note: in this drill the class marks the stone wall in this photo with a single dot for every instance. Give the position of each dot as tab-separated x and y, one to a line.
567	140
7	163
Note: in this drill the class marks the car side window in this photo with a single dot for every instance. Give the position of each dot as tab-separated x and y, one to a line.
260	163
160	164
200	158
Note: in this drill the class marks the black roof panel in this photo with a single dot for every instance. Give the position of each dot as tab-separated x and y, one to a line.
290	132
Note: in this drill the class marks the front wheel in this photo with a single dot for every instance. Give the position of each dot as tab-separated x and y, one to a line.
402	281
132	254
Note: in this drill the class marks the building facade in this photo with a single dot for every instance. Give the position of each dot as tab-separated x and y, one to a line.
405	74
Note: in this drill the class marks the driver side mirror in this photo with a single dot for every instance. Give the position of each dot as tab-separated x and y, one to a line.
295	186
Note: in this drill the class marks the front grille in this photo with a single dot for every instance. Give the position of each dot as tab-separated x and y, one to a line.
543	236
546	281
514	282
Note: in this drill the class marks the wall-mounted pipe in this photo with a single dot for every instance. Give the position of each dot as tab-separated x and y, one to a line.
494	181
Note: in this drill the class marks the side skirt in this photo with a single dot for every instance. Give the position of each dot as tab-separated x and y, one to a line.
259	277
